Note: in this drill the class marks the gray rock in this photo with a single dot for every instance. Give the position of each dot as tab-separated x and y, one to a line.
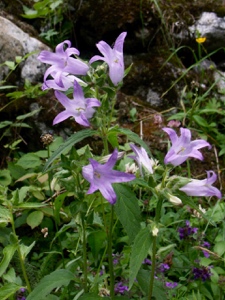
212	27
16	42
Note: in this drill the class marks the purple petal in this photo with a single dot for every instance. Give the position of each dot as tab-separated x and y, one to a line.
119	42
95	58
172	134
76	67
108	193
63	99
93	102
62	116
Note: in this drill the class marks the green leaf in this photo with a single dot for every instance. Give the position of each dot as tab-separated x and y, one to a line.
127	210
25	250
5	215
29	160
5	177
30	205
75	138
5	124
90	297
200	121
219	248
134	138
8	253
139	251
58	204
34	219
143	278
96	240
8	290
30	114
50	282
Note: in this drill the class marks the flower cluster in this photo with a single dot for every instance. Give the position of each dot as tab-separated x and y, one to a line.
187	231
120	288
202	273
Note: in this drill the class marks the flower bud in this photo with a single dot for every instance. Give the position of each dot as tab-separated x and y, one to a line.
174	200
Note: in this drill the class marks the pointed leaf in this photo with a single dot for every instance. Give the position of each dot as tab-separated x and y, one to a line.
8	290
5	215
34	219
127	210
140	248
75	138
8	253
50	282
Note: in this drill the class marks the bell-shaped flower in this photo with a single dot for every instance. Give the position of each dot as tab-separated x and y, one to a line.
113	57
142	159
80	108
101	177
66	79
182	147
203	187
62	61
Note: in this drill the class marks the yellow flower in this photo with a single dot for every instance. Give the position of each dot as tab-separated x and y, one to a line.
200	40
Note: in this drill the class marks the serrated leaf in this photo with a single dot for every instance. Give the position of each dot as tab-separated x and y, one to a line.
8	290
8	253
34	219
5	215
48	283
128	210
139	251
75	138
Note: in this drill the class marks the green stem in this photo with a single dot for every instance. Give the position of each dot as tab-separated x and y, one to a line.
84	256
110	259
20	256
152	276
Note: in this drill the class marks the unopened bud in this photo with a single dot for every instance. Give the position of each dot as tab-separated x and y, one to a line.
174	200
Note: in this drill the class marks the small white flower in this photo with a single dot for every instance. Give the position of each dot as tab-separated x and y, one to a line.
155	231
131	168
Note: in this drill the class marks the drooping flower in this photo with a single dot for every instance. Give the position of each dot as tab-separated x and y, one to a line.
101	177
203	187
113	57
182	147
142	159
79	107
62	61
66	79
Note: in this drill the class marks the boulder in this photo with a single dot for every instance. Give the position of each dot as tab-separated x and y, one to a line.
16	42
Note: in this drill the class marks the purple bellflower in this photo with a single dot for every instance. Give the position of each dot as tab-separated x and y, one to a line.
62	61
203	187
113	57
67	81
183	147
101	177
80	108
142	159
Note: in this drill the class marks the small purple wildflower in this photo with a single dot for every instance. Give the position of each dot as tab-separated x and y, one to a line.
202	273
163	267
147	261
206	245
185	232
120	288
171	285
